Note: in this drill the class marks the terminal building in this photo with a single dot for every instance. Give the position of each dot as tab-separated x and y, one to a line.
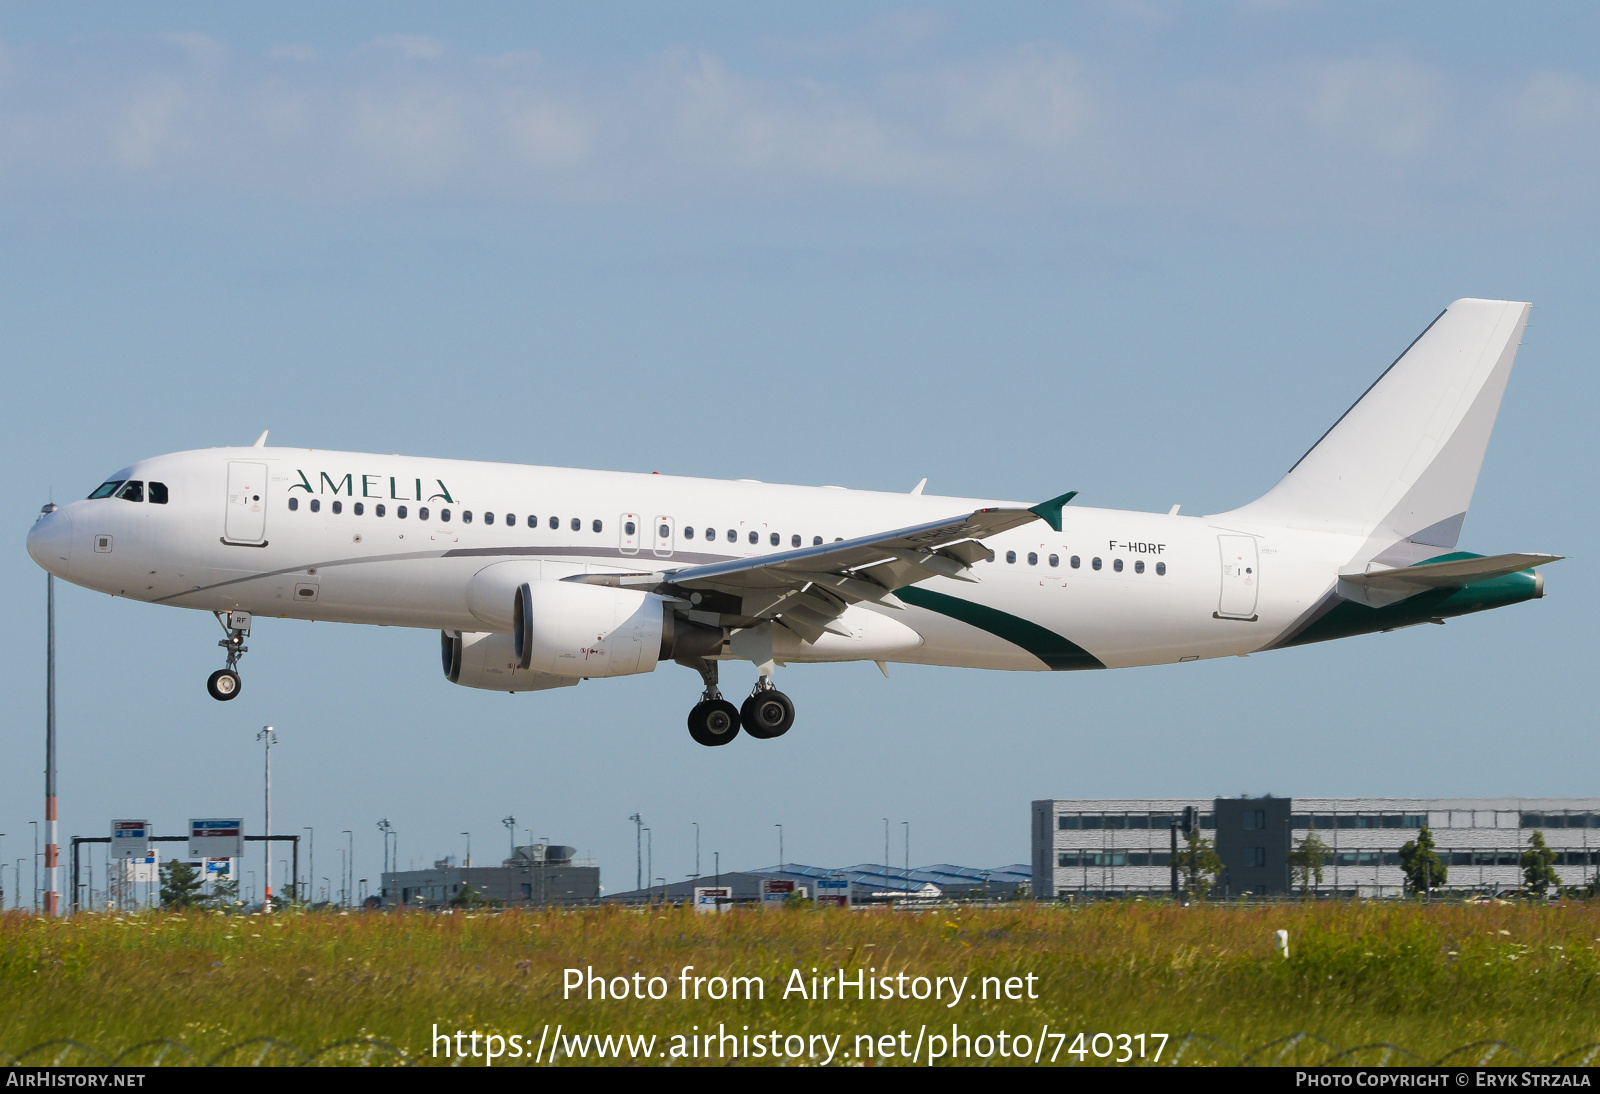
1113	847
866	883
540	873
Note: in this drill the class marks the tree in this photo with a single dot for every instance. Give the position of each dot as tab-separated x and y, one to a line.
180	885
1421	864
1199	865
224	894
1306	860
1538	866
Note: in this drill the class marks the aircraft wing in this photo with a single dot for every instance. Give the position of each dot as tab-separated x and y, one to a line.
807	588
1451	573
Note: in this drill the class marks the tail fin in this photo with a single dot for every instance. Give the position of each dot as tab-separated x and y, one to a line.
1400	466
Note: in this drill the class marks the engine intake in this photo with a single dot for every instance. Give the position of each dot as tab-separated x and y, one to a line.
488	661
568	628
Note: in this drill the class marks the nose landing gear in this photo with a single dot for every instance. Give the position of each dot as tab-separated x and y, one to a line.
224	684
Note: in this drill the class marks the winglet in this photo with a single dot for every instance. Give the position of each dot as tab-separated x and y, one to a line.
261	441
1050	511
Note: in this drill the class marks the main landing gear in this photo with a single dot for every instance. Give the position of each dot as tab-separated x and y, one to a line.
766	714
224	684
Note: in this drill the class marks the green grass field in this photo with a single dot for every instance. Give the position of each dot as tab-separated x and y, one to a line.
1426	978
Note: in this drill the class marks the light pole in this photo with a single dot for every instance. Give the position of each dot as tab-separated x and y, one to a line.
511	834
908	856
650	864
349	874
252	874
52	895
638	851
696	848
268	738
311	862
779	827
384	827
344	894
467	862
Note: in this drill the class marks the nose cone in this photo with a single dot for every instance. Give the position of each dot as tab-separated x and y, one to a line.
50	541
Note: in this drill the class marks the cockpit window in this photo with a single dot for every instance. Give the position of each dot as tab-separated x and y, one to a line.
132	490
106	489
158	493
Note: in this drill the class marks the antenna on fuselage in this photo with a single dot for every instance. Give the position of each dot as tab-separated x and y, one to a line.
261	441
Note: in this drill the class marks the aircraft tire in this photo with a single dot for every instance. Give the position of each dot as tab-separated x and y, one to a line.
767	714
224	684
714	722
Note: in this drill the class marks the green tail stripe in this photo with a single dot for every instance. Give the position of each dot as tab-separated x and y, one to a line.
1046	645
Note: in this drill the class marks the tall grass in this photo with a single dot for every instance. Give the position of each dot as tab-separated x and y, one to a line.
1428	978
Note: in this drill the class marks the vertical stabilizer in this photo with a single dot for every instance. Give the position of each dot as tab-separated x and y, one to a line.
1400	466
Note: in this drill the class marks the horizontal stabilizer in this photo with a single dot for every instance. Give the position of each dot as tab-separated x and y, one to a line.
1455	573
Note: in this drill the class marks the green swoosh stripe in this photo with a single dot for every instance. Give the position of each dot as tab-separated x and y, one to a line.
1046	645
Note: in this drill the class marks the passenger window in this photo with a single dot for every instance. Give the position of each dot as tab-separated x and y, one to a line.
444	515
133	490
316	505
816	541
533	521
1075	561
1138	567
1011	556
555	524
338	506
400	512
794	541
1161	569
688	531
294	503
1095	564
597	526
577	524
511	520
629	528
663	532
358	508
158	493
466	516
488	518
733	537
1033	558
1116	564
379	510
105	489
773	539
1055	560
754	538
422	512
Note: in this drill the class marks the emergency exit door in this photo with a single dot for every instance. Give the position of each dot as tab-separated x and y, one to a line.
246	520
1241	577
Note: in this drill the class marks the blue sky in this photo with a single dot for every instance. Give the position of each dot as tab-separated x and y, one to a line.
1144	251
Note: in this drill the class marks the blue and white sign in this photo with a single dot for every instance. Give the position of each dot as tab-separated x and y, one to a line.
129	839
220	866
216	838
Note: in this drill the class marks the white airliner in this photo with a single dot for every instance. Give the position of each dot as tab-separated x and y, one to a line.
539	577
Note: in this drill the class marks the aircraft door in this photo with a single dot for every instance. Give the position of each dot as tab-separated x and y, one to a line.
246	520
665	532
1241	577
628	526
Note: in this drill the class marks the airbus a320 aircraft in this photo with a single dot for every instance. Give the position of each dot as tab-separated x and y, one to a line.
540	577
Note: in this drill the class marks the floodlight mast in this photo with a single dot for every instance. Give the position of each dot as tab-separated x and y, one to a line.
268	739
52	894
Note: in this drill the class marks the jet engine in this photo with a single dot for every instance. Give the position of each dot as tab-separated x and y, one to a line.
476	660
569	628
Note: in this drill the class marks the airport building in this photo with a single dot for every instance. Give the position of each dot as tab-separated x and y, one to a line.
1115	847
537	874
866	883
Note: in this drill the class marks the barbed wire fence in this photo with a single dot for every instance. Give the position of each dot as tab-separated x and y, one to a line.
1192	1049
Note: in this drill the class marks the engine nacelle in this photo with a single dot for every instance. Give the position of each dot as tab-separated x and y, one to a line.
489	661
568	628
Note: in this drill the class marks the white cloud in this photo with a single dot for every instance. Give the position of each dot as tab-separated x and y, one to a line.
1367	135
